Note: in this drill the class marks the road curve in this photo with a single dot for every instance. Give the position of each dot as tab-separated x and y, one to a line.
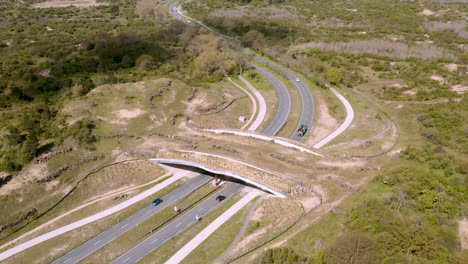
344	126
284	103
262	105
104	238
307	115
178	225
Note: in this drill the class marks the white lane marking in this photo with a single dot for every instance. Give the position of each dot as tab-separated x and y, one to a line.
199	210
124	226
67	260
126	259
97	242
178	224
154	241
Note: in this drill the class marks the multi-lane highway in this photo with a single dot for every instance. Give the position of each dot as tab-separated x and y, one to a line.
179	225
124	226
284	103
307	100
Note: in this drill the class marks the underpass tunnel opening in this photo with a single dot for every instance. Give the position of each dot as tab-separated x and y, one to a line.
217	176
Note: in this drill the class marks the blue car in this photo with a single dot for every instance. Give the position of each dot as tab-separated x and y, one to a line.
157	201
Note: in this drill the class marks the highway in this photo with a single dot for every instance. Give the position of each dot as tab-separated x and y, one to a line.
124	226
307	100
284	103
179	225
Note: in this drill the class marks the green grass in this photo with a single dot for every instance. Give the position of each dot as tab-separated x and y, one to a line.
266	89
219	241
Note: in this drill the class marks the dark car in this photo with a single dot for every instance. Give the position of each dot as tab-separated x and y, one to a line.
302	130
220	198
157	201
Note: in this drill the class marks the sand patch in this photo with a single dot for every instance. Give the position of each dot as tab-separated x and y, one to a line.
409	92
62	4
129	113
427	12
459	89
397	85
438	78
196	104
463	231
326	123
310	203
34	171
451	67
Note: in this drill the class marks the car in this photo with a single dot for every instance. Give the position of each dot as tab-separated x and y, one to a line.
157	201
298	80
220	198
302	130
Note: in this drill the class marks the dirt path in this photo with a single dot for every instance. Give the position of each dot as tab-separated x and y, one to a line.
241	231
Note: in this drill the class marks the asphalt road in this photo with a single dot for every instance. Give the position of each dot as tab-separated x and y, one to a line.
284	103
122	227
177	226
307	100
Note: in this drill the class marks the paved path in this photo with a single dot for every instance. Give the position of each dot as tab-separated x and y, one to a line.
344	126
59	231
212	227
284	103
104	238
307	101
262	105
178	225
275	140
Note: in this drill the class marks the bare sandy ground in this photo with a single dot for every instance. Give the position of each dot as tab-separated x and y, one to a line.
129	113
325	123
60	4
463	231
460	89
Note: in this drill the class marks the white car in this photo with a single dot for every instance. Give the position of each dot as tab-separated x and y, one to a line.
298	80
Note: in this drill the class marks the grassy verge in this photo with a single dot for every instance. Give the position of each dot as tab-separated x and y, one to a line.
64	243
139	233
164	252
219	241
268	92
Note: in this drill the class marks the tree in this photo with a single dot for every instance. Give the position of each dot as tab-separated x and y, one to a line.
352	248
29	149
283	255
334	75
253	39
